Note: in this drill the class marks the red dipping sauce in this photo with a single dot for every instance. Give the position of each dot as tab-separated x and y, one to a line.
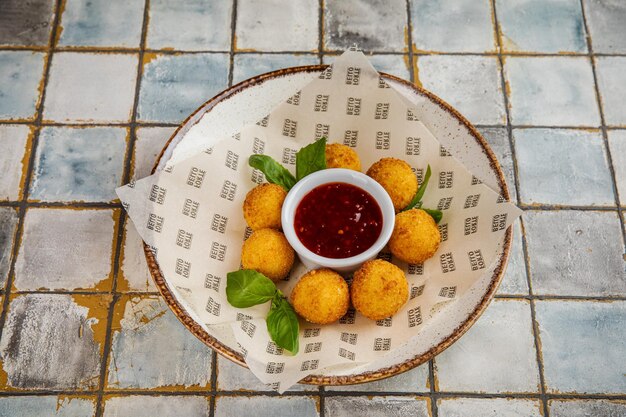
338	220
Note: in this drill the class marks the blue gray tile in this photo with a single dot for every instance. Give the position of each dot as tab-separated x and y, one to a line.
14	141
173	86
611	72
78	164
274	25
266	406
541	26
232	377
26	23
498	140
551	91
85	87
606	23
575	253
617	145
489	407
46	406
39	353
415	380
515	280
376	406
152	349
206	25
469	83
481	361
452	25
583	346
21	73
65	249
397	65
370	24
148	146
134	274
150	406
8	222
249	65
115	23
563	167
587	408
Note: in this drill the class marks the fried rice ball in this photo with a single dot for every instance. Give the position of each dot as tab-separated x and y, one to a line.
415	236
342	156
397	178
268	252
263	205
379	289
321	296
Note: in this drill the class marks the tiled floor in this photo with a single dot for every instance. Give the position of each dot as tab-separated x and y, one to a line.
90	91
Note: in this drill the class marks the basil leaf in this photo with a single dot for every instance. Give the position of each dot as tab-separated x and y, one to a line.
283	325
311	158
247	288
416	202
435	214
274	172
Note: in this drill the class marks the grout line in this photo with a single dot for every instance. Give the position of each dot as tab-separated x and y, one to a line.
409	37
432	379
30	166
605	136
320	35
213	383
121	226
233	40
321	389
535	325
561	297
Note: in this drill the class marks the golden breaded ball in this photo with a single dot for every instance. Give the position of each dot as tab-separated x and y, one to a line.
342	156
263	205
397	178
268	252
415	236
321	296
379	289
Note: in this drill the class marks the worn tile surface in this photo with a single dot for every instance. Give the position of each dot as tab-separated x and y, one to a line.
38	353
376	406
14	144
20	82
249	65
471	84
541	26
206	25
26	22
44	406
8	222
498	140
261	26
162	406
585	408
515	281
78	164
267	406
232	377
410	381
468	26
134	274
548	175
115	23
173	86
152	349
83	239
606	24
610	71
575	253
551	91
370	24
491	407
91	87
397	65
617	145
496	355
583	346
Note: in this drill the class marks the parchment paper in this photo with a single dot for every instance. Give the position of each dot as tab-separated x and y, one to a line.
191	216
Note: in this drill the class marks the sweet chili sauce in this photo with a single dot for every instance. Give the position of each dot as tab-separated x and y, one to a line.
338	220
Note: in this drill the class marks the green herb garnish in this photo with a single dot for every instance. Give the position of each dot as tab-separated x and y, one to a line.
416	202
247	288
274	172
311	158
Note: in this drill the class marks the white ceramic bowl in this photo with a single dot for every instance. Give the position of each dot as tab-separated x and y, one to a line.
308	183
